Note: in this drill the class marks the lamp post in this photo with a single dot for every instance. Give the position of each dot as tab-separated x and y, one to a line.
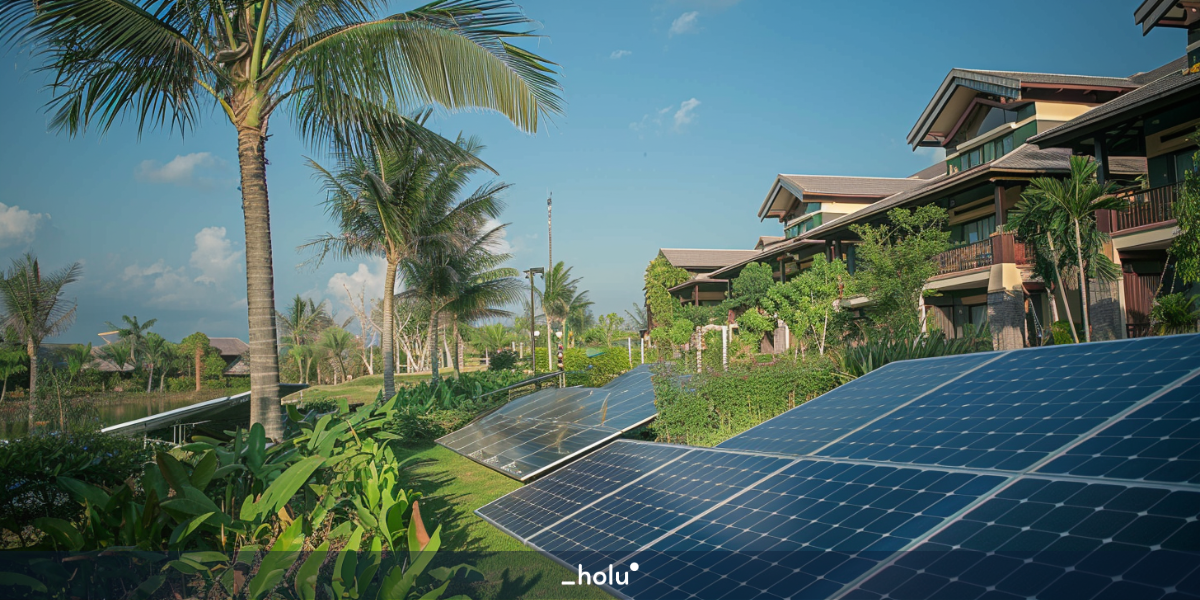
533	332
561	372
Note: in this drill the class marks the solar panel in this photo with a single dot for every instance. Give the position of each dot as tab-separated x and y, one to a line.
828	417
1105	507
1041	538
535	433
1010	413
1157	442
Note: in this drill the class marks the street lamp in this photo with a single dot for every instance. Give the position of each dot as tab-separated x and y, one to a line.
533	332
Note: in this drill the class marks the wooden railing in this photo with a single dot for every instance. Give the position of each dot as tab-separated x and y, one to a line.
1000	248
1146	207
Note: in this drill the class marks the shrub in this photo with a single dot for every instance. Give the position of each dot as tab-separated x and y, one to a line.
1174	313
1061	330
504	360
31	466
880	347
708	408
414	425
603	367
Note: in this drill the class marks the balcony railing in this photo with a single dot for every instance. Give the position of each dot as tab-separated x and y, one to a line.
999	248
1146	207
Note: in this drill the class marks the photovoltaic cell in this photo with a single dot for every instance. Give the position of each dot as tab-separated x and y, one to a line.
1157	442
542	503
803	533
830	416
531	434
1053	540
1012	412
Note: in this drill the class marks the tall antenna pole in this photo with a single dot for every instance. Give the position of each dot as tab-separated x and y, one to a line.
550	229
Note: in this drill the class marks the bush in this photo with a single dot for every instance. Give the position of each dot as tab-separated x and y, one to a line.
31	466
414	425
880	347
1061	330
708	408
504	360
603	367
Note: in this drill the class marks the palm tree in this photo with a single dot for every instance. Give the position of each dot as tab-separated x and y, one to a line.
35	307
301	324
133	332
337	342
341	71
390	202
485	287
1032	222
11	363
1074	202
636	317
492	337
561	298
120	354
155	351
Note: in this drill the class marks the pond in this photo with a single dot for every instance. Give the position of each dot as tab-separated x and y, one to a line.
111	411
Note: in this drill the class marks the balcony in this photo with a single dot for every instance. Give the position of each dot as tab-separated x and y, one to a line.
1146	208
1000	248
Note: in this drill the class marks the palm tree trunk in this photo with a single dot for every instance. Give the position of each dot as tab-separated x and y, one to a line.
458	351
1061	288
4	390
389	344
162	381
199	351
150	380
433	345
31	348
1087	327
1053	305
260	283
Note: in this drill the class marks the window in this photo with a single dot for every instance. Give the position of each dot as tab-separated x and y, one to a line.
978	315
806	225
973	231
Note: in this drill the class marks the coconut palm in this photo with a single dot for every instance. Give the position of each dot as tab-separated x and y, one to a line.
156	350
1073	203
485	288
35	307
389	202
636	317
491	337
133	332
301	324
120	354
338	342
561	298
1032	222
339	69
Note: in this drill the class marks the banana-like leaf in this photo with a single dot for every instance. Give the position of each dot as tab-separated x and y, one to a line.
62	533
306	576
19	580
282	489
84	491
204	471
186	528
173	471
278	560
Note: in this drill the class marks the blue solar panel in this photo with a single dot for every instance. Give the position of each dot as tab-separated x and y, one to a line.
803	533
817	422
1015	411
1067	540
1157	442
542	503
535	433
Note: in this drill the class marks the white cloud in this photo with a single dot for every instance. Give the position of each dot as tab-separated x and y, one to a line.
367	278
500	243
619	54
192	170
933	155
214	256
17	225
685	23
685	114
210	279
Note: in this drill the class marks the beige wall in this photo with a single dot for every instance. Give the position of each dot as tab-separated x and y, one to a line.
1059	111
1155	147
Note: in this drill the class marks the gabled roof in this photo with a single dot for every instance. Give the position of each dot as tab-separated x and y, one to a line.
1172	89
1160	13
1006	84
1026	160
768	240
696	258
798	186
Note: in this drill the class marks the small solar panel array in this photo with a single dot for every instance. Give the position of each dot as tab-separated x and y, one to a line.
1060	472
535	433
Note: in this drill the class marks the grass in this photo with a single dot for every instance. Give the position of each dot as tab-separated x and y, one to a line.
452	488
364	388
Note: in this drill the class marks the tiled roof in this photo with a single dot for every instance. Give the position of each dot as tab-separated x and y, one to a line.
1178	64
1171	88
775	250
848	186
693	258
1027	159
937	168
768	240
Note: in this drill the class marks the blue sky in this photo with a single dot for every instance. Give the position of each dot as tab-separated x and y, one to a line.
679	115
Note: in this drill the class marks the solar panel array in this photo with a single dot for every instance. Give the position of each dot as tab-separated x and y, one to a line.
534	433
1060	472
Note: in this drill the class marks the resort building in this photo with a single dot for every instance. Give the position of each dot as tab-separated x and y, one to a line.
1000	129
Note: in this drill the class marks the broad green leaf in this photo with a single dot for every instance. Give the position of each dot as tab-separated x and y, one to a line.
184	529
278	560
204	470
206	556
17	579
193	502
283	488
84	491
62	532
306	576
256	448
147	588
173	471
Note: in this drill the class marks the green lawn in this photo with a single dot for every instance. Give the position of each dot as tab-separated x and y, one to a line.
453	487
362	390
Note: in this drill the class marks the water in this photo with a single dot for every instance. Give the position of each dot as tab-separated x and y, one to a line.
14	423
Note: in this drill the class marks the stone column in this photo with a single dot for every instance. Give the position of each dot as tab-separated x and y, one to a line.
1006	297
1107	314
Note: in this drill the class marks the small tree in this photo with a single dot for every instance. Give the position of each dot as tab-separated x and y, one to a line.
896	259
610	324
133	332
196	345
12	362
1185	248
749	287
661	276
808	303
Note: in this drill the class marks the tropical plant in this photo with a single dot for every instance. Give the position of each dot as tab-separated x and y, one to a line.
896	259
34	303
1073	204
120	354
561	297
504	360
661	306
1174	313
12	362
1185	248
196	345
132	332
1032	222
343	72
749	287
339	343
880	346
491	337
485	288
156	350
636	317
610	325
